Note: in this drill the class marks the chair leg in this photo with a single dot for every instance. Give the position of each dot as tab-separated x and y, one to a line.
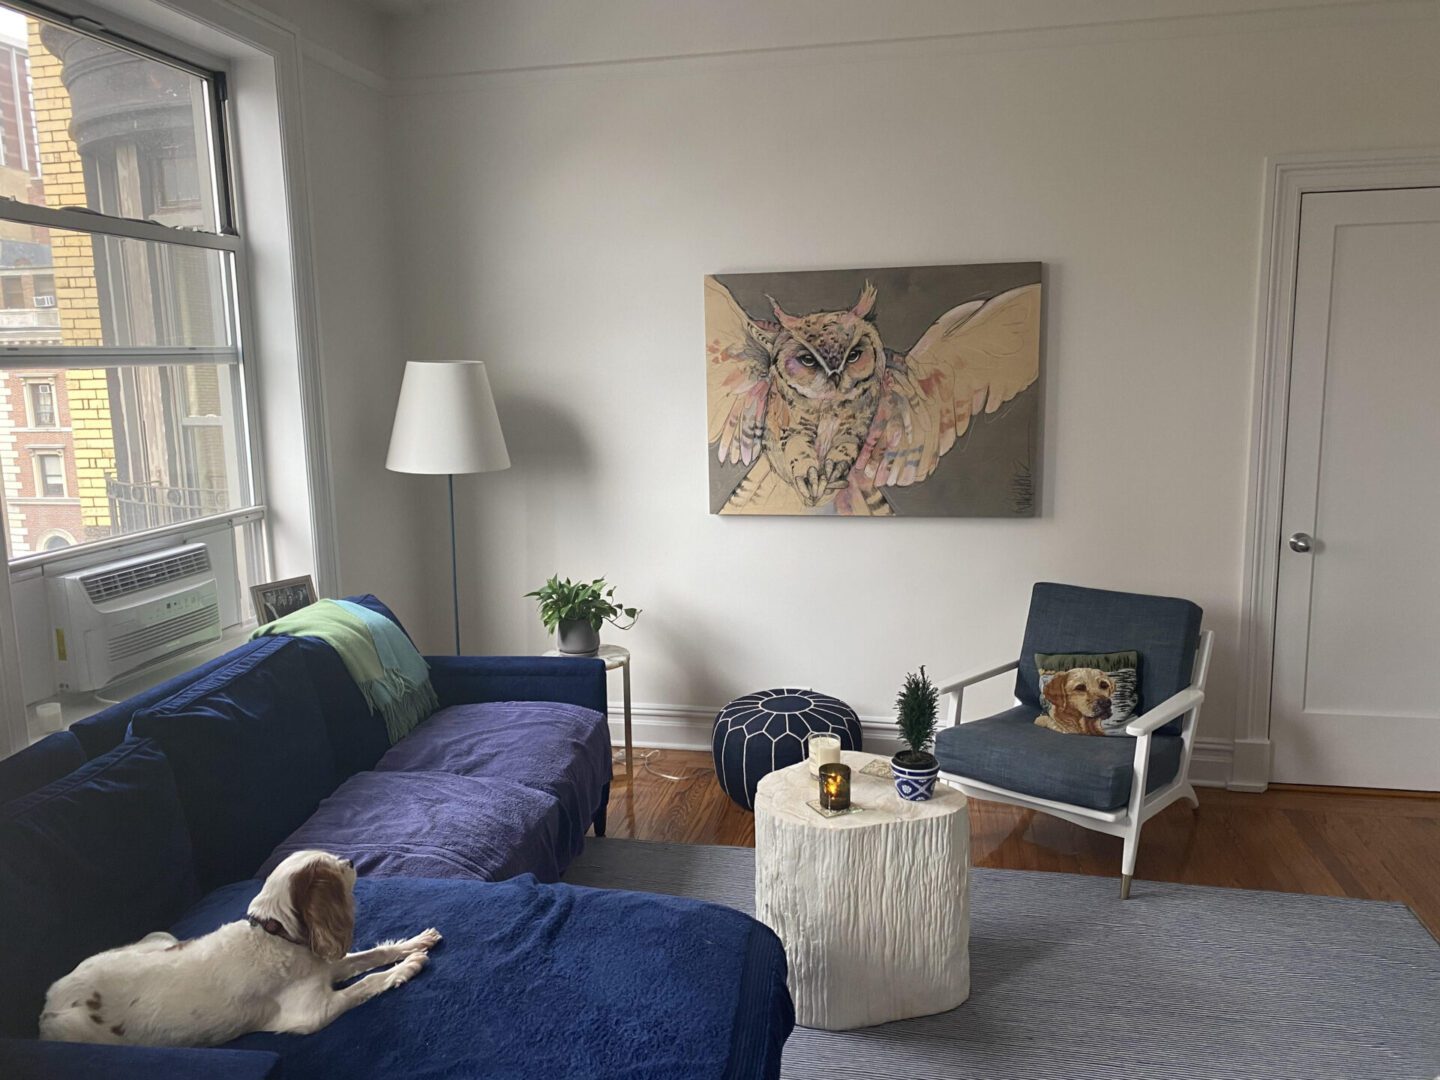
1127	861
1189	796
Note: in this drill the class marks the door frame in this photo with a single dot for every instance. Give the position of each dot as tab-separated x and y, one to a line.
1288	178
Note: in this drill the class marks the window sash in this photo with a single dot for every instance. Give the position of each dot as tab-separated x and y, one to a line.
97	551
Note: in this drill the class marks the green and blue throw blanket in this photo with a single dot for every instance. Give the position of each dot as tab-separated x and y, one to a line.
386	667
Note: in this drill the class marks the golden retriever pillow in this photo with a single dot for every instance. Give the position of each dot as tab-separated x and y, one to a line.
1088	693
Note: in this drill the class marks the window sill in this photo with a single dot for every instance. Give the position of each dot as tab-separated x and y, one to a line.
75	707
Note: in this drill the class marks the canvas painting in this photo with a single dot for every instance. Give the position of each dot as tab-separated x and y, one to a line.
907	391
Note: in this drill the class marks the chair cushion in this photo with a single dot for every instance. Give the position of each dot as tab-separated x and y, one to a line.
562	750
1068	619
432	824
1011	751
41	763
250	754
546	981
94	860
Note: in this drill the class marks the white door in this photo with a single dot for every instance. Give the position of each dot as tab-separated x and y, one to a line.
1356	692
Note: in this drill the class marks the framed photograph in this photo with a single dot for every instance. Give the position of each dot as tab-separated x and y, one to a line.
276	599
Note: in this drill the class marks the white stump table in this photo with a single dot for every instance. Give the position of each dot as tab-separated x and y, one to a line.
873	907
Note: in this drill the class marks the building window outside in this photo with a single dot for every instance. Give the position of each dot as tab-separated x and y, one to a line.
56	540
40	398
50	475
133	301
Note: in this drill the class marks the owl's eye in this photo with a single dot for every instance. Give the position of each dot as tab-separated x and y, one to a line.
807	359
854	354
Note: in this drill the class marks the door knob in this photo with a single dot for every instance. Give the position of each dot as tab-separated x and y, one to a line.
1301	542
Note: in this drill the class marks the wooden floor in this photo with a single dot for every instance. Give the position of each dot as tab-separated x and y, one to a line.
1328	842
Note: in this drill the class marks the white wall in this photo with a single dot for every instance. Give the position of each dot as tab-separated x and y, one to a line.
380	516
556	220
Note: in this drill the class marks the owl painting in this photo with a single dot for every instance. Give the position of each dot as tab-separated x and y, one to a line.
812	412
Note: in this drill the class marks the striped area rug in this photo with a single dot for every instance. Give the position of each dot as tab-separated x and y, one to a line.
1181	982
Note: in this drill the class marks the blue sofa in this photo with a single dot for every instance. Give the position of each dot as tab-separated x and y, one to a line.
165	810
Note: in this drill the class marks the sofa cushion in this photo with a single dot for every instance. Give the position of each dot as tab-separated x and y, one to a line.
431	824
1013	752
28	1059
549	981
106	729
357	735
94	860
562	750
250	754
38	764
1068	619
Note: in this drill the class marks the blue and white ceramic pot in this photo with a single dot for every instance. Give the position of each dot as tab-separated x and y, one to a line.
915	775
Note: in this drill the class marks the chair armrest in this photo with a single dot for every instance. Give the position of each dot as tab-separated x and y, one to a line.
1178	705
474	680
959	682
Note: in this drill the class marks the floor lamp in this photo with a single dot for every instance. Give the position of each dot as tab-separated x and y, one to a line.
446	422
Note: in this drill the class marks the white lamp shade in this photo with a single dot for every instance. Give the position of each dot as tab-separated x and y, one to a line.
446	422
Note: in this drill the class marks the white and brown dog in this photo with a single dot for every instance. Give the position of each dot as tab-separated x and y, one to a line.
276	970
1079	700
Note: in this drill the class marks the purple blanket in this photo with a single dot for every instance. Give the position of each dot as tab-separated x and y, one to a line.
562	750
435	825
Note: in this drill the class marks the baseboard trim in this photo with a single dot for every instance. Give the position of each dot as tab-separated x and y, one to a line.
688	727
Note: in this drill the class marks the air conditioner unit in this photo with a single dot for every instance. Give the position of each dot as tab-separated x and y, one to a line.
111	619
44	301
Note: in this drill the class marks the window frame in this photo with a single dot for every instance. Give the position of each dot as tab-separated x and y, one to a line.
31	417
39	455
250	515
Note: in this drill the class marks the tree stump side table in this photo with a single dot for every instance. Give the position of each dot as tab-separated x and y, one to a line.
872	907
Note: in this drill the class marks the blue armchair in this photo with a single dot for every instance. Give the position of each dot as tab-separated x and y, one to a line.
1111	784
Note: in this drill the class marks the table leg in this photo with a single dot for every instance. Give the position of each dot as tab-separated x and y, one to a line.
629	745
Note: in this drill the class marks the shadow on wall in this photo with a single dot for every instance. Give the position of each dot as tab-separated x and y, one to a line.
549	491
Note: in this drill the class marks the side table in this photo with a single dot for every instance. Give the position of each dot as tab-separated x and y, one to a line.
616	656
873	906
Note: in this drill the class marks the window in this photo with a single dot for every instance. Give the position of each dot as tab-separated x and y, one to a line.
40	402
50	474
119	274
56	540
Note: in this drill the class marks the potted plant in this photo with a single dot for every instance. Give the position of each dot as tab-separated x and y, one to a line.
915	769
574	610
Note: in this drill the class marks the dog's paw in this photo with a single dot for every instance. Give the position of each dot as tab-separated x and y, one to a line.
408	968
426	939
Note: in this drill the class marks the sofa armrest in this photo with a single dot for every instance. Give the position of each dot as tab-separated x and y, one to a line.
473	680
31	1059
1174	706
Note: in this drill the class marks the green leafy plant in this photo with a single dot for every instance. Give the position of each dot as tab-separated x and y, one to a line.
587	601
915	709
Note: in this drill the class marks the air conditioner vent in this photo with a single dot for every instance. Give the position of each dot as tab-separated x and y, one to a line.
117	581
124	646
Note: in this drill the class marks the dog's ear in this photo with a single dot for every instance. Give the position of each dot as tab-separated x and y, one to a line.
326	908
1055	691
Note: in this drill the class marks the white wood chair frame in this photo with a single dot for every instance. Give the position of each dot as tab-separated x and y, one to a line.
1126	822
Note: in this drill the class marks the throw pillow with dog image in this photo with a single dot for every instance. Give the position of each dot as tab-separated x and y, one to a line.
1088	693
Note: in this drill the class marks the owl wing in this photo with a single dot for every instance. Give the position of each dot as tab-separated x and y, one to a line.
737	367
974	358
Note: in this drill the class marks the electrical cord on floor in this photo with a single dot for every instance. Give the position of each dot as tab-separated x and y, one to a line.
645	759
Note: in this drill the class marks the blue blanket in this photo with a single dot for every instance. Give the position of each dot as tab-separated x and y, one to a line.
547	981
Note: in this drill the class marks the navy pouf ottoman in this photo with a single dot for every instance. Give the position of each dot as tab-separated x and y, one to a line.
761	732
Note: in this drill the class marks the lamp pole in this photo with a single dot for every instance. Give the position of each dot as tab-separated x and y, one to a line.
454	563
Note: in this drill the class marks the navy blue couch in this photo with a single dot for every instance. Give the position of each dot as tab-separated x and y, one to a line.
165	810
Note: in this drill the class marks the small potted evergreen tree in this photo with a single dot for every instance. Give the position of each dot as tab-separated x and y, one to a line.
915	769
575	610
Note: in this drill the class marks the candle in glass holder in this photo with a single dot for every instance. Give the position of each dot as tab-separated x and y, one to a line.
834	787
824	750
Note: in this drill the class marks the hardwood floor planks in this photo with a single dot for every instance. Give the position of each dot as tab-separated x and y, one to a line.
1323	841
